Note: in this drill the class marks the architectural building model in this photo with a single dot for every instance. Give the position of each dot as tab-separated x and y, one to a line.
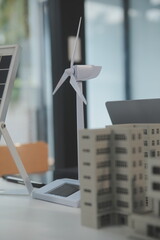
120	177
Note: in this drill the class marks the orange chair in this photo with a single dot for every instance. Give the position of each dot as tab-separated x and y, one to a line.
33	155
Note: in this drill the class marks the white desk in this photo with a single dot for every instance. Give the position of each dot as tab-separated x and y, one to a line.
24	218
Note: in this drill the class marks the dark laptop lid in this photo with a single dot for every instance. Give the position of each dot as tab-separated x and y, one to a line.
134	111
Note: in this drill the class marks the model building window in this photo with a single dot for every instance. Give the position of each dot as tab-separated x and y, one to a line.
103	177
133	137
120	137
157	142
122	177
102	151
145	143
153	142
122	204
105	219
153	231
156	170
88	204
86	150
139	136
146	201
145	165
104	191
87	190
145	131
120	150
104	164
87	177
158	153
103	137
86	163
105	204
121	190
121	163
146	154
85	137
152	131
157	130
152	153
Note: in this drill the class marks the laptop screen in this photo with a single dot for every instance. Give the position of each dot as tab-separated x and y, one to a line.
134	111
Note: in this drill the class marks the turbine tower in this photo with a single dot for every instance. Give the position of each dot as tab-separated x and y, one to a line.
78	74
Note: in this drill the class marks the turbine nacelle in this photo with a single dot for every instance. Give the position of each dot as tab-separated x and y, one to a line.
86	72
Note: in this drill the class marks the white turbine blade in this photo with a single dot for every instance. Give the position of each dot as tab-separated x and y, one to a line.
85	72
77	89
75	44
61	81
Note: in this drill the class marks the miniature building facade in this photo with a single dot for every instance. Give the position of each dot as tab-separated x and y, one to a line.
149	224
114	172
154	179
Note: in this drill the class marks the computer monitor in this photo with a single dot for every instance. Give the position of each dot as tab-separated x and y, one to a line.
134	111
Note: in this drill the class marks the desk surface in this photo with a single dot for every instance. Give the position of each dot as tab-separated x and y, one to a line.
22	217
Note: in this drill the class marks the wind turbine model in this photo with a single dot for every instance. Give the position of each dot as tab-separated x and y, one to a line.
78	74
62	191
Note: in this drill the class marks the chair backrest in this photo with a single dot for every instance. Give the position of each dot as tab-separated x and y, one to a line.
33	155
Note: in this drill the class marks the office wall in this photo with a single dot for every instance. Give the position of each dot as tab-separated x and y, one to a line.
124	37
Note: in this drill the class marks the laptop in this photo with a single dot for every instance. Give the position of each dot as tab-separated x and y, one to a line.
134	111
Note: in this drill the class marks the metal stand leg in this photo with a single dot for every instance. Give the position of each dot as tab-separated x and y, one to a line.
16	157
